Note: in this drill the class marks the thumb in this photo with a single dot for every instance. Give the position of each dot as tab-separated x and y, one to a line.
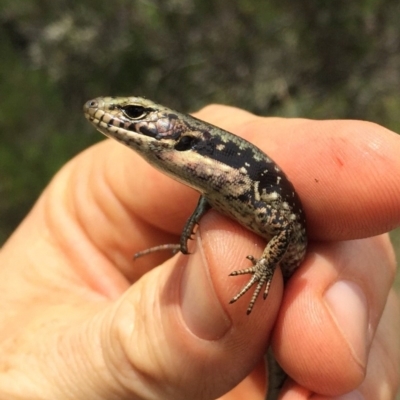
171	335
174	335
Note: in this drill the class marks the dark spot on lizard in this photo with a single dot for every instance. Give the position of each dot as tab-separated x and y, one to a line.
143	129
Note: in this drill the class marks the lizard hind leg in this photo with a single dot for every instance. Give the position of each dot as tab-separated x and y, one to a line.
263	269
262	274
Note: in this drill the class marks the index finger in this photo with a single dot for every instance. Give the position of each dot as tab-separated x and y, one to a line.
346	172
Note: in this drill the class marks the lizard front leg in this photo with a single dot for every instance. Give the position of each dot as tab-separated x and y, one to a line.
263	268
202	207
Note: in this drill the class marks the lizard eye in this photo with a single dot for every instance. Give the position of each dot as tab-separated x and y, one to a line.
133	112
186	143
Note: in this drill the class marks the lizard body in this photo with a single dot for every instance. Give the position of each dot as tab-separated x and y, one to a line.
232	175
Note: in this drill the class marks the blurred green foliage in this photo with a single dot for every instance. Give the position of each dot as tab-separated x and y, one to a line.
309	58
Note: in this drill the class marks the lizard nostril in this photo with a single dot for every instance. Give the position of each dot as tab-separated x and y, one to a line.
90	105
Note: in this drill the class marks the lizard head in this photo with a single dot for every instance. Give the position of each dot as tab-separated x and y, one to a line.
173	142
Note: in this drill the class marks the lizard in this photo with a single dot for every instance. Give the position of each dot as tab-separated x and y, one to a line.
232	175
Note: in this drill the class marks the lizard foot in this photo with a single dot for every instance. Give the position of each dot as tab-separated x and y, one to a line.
262	274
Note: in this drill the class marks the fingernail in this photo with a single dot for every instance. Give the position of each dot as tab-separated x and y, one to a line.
349	309
201	308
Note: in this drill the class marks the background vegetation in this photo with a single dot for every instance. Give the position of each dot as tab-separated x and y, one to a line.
308	58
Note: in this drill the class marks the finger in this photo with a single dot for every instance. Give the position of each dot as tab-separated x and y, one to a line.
331	311
252	387
382	375
383	369
344	171
207	354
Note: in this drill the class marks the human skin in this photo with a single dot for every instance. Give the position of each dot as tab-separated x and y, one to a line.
81	320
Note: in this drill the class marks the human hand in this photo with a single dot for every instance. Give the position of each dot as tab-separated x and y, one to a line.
80	320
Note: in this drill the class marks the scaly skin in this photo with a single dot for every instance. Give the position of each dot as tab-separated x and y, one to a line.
232	175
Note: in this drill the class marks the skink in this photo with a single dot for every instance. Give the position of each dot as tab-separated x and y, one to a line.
232	176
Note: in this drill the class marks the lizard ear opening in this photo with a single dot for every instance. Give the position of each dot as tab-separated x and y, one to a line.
133	112
186	143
